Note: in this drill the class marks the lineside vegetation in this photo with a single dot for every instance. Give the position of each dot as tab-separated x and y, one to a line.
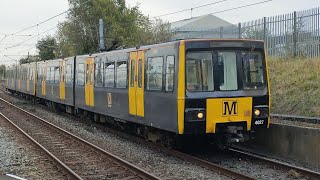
295	86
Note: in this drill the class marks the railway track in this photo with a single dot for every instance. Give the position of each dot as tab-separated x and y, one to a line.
313	120
79	158
205	164
307	172
209	165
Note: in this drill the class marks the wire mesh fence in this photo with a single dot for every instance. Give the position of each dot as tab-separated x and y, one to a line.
293	34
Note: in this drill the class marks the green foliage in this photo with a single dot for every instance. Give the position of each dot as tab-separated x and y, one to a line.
255	33
30	59
47	47
294	86
124	26
2	70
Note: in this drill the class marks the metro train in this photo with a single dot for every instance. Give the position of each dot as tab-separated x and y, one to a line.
196	87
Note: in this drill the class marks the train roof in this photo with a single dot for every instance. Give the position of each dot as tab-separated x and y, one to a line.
171	43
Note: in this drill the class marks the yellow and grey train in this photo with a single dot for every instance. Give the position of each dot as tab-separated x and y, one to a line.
210	87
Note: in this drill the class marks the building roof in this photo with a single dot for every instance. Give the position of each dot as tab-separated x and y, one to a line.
199	23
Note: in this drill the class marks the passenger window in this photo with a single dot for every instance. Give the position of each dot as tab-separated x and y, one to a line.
56	74
69	74
140	73
121	74
154	73
80	75
169	73
52	75
48	74
109	75
87	73
133	65
31	74
99	74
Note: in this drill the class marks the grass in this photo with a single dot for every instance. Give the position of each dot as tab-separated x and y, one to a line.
295	86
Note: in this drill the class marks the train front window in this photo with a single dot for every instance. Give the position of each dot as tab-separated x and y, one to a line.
225	66
199	71
253	70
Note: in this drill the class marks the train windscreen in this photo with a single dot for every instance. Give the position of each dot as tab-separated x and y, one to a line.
219	70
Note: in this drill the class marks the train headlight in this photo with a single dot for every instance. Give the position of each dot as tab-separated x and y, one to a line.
200	115
257	112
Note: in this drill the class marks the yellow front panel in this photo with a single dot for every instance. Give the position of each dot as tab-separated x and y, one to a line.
140	86
132	83
225	110
181	87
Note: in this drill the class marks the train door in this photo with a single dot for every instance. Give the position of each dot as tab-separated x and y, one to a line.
136	83
19	77
62	85
44	77
89	82
28	78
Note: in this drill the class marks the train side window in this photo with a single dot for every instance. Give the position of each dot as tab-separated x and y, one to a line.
121	74
109	75
133	65
99	74
154	73
48	74
39	72
140	73
56	74
31	74
52	75
80	75
169	73
68	74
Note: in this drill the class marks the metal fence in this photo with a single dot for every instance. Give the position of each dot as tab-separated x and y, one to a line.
293	34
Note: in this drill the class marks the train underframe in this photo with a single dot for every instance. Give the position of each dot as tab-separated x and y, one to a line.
226	134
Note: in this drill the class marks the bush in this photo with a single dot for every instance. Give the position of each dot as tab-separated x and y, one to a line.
295	86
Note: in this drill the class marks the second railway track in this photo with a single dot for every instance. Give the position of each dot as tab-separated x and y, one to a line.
81	159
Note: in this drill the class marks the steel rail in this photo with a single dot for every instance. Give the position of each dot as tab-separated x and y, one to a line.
314	120
275	162
64	166
132	167
183	156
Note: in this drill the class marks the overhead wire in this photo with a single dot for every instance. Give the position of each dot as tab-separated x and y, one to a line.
239	7
42	22
18	44
190	9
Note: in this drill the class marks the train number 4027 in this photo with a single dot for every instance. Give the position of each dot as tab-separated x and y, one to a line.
259	122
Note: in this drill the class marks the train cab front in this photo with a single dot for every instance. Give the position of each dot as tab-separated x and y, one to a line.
226	89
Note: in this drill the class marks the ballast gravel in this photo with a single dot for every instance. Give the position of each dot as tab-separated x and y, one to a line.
153	161
20	158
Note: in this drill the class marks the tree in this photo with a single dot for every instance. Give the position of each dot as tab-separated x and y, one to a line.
3	70
47	47
30	59
123	27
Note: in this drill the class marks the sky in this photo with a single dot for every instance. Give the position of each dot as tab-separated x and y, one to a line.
16	15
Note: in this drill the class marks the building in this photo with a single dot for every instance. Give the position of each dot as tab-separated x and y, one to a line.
207	26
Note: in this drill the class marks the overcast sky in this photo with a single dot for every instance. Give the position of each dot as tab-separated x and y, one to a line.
16	15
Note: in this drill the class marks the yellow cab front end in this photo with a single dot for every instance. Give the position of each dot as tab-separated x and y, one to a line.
226	91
